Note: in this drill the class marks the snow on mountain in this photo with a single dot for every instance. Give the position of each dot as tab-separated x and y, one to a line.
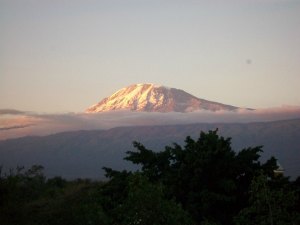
155	98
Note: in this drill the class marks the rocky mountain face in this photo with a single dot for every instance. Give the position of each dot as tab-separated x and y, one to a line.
155	98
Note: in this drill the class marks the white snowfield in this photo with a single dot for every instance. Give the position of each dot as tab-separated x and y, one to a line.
155	98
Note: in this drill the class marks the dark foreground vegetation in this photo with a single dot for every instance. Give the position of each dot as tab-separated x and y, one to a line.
205	182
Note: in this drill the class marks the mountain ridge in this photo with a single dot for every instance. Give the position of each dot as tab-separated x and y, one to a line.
83	153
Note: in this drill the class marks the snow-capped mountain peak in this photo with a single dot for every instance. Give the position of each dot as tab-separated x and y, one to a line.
155	98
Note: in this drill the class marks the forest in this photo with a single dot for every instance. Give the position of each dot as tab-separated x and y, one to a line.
204	182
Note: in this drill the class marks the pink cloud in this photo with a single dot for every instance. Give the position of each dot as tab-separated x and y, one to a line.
22	124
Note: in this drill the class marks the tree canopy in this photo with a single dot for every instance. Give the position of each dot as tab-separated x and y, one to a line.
210	180
203	182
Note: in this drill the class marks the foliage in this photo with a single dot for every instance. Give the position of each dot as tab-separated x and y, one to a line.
206	176
204	182
145	204
27	197
269	206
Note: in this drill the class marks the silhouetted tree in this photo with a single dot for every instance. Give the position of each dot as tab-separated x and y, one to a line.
207	177
204	182
269	206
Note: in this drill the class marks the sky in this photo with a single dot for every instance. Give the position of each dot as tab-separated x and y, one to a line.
60	56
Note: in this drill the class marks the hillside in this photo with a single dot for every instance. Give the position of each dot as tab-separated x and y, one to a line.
84	153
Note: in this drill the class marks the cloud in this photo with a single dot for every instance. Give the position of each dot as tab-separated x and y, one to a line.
21	124
15	127
11	112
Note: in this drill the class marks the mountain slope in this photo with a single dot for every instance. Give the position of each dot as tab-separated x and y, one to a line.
153	98
84	153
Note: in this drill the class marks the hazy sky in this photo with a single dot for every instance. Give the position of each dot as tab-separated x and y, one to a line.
64	55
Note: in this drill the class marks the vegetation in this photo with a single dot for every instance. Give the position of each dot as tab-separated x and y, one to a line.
205	182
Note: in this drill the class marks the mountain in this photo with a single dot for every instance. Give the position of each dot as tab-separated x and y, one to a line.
155	98
84	153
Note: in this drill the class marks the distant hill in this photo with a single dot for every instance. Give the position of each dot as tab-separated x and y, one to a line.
84	153
155	98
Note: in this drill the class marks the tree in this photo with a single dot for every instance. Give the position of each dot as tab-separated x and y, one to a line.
207	177
18	188
269	206
145	204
